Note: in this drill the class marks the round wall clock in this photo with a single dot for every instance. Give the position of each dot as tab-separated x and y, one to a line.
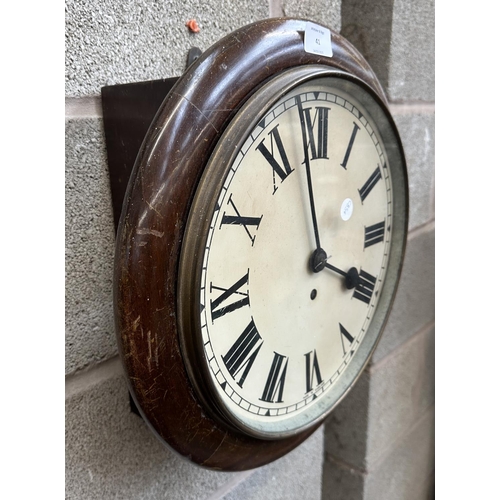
260	244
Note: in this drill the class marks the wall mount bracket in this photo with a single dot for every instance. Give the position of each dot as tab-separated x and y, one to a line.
128	110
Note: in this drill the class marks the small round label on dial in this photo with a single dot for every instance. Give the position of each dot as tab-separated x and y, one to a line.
347	209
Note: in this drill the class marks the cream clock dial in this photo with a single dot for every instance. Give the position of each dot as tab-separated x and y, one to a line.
289	248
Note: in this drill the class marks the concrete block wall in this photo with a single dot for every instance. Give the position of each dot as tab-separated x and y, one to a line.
379	443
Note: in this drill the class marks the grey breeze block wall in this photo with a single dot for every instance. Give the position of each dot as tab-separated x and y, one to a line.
379	442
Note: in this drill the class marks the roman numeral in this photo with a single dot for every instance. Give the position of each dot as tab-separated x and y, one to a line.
217	311
349	146
273	390
239	220
283	170
347	335
312	370
242	354
318	147
374	234
369	184
366	284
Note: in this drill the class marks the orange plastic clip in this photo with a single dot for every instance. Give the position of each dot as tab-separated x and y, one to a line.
193	25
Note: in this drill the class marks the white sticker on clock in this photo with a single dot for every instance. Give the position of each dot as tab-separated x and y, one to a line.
347	209
317	40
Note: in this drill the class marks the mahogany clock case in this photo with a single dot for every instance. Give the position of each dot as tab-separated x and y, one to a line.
170	163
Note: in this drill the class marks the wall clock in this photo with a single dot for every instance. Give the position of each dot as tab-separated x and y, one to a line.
260	243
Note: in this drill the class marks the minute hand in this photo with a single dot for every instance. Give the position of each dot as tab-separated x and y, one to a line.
308	171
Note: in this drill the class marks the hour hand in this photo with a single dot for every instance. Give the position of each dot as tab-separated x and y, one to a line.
351	276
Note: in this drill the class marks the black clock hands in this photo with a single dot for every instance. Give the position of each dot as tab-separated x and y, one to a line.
318	260
351	276
308	174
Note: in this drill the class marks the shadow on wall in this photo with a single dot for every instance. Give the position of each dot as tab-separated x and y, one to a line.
113	453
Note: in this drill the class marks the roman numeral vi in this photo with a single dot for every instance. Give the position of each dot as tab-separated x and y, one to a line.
275	383
312	370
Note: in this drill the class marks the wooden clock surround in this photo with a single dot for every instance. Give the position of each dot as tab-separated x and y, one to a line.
168	167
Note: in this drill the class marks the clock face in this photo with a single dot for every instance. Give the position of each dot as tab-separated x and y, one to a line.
287	268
